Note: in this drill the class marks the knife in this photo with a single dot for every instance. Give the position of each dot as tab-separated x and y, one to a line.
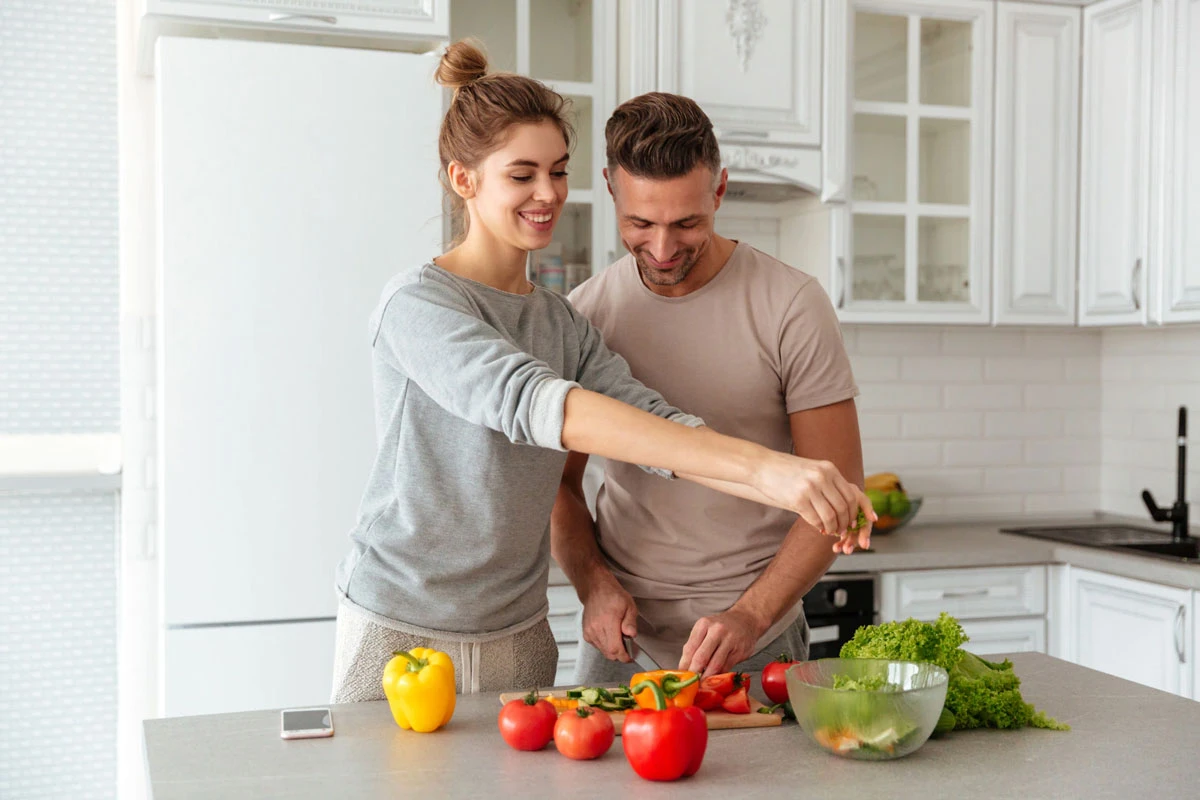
639	656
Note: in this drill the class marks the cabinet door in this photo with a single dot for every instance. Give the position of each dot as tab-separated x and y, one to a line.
1176	200
1114	162
1037	156
1132	629
753	65
995	636
963	593
919	237
418	18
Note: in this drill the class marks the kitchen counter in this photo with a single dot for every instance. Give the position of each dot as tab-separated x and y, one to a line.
1126	740
981	544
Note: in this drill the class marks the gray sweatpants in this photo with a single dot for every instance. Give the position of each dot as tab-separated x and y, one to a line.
518	662
593	669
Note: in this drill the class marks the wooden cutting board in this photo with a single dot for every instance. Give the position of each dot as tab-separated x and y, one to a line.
717	720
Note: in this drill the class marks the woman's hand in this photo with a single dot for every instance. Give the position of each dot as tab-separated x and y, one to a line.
820	495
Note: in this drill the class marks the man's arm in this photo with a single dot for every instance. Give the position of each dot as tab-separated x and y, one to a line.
722	640
608	610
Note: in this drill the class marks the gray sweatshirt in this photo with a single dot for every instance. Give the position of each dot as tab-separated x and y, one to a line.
453	532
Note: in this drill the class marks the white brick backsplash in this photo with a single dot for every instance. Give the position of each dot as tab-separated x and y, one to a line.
982	396
1022	479
1065	396
941	424
982	453
1083	423
875	368
896	340
1062	451
982	342
899	396
883	456
985	421
1023	424
941	368
1027	368
878	426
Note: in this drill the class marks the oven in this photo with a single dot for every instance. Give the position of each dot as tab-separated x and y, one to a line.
835	608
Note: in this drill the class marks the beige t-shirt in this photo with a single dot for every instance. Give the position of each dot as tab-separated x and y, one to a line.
756	343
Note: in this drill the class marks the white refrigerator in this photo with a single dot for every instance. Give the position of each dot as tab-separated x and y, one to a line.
293	182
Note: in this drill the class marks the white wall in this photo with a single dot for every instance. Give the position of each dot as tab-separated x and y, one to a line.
1146	374
982	421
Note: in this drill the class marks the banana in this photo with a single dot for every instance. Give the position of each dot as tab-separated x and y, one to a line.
884	482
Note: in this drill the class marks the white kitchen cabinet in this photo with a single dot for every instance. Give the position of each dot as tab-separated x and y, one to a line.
917	241
1036	164
754	66
1175	198
571	46
1132	629
1115	168
963	593
382	24
994	636
564	623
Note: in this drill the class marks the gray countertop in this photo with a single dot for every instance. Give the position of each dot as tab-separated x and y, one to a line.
981	544
1126	740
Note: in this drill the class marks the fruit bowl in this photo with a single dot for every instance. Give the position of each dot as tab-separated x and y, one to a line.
887	710
887	523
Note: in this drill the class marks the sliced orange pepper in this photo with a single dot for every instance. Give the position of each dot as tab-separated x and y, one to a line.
679	686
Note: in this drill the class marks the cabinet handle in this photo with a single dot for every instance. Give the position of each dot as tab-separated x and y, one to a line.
823	634
965	593
841	301
1133	285
1179	618
309	17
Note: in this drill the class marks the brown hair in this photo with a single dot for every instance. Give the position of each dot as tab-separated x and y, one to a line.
483	109
660	135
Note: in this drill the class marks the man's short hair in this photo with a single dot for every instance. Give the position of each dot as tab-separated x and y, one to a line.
660	135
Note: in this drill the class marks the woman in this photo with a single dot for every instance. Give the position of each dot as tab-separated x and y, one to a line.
482	382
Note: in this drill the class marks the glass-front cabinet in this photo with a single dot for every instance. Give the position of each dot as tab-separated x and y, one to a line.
570	45
916	227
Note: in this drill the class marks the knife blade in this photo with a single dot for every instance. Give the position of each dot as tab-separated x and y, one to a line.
639	656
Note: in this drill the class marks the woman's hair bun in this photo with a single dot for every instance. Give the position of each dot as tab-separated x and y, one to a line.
463	63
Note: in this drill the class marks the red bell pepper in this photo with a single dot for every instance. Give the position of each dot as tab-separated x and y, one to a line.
664	744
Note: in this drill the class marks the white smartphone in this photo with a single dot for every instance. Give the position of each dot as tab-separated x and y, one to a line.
305	723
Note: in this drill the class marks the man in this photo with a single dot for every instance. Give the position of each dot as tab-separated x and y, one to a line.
705	581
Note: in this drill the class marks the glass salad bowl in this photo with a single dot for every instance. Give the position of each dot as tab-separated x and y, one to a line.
869	709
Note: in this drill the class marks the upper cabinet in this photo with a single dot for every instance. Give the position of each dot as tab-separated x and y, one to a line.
1036	164
1175	238
917	244
385	24
754	66
1139	258
1114	188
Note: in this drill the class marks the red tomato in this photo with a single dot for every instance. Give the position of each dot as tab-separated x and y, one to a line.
707	699
773	682
739	701
584	733
722	684
527	723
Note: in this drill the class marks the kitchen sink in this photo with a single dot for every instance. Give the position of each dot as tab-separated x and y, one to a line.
1187	549
1117	538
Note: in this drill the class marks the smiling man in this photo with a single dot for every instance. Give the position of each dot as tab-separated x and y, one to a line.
704	580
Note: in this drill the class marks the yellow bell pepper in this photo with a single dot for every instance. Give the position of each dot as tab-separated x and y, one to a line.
679	686
419	685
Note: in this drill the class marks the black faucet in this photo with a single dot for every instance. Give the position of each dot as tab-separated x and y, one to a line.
1178	515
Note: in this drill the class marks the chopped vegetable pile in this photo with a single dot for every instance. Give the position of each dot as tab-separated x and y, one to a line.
981	694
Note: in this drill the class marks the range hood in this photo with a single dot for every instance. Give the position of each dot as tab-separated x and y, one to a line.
766	174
